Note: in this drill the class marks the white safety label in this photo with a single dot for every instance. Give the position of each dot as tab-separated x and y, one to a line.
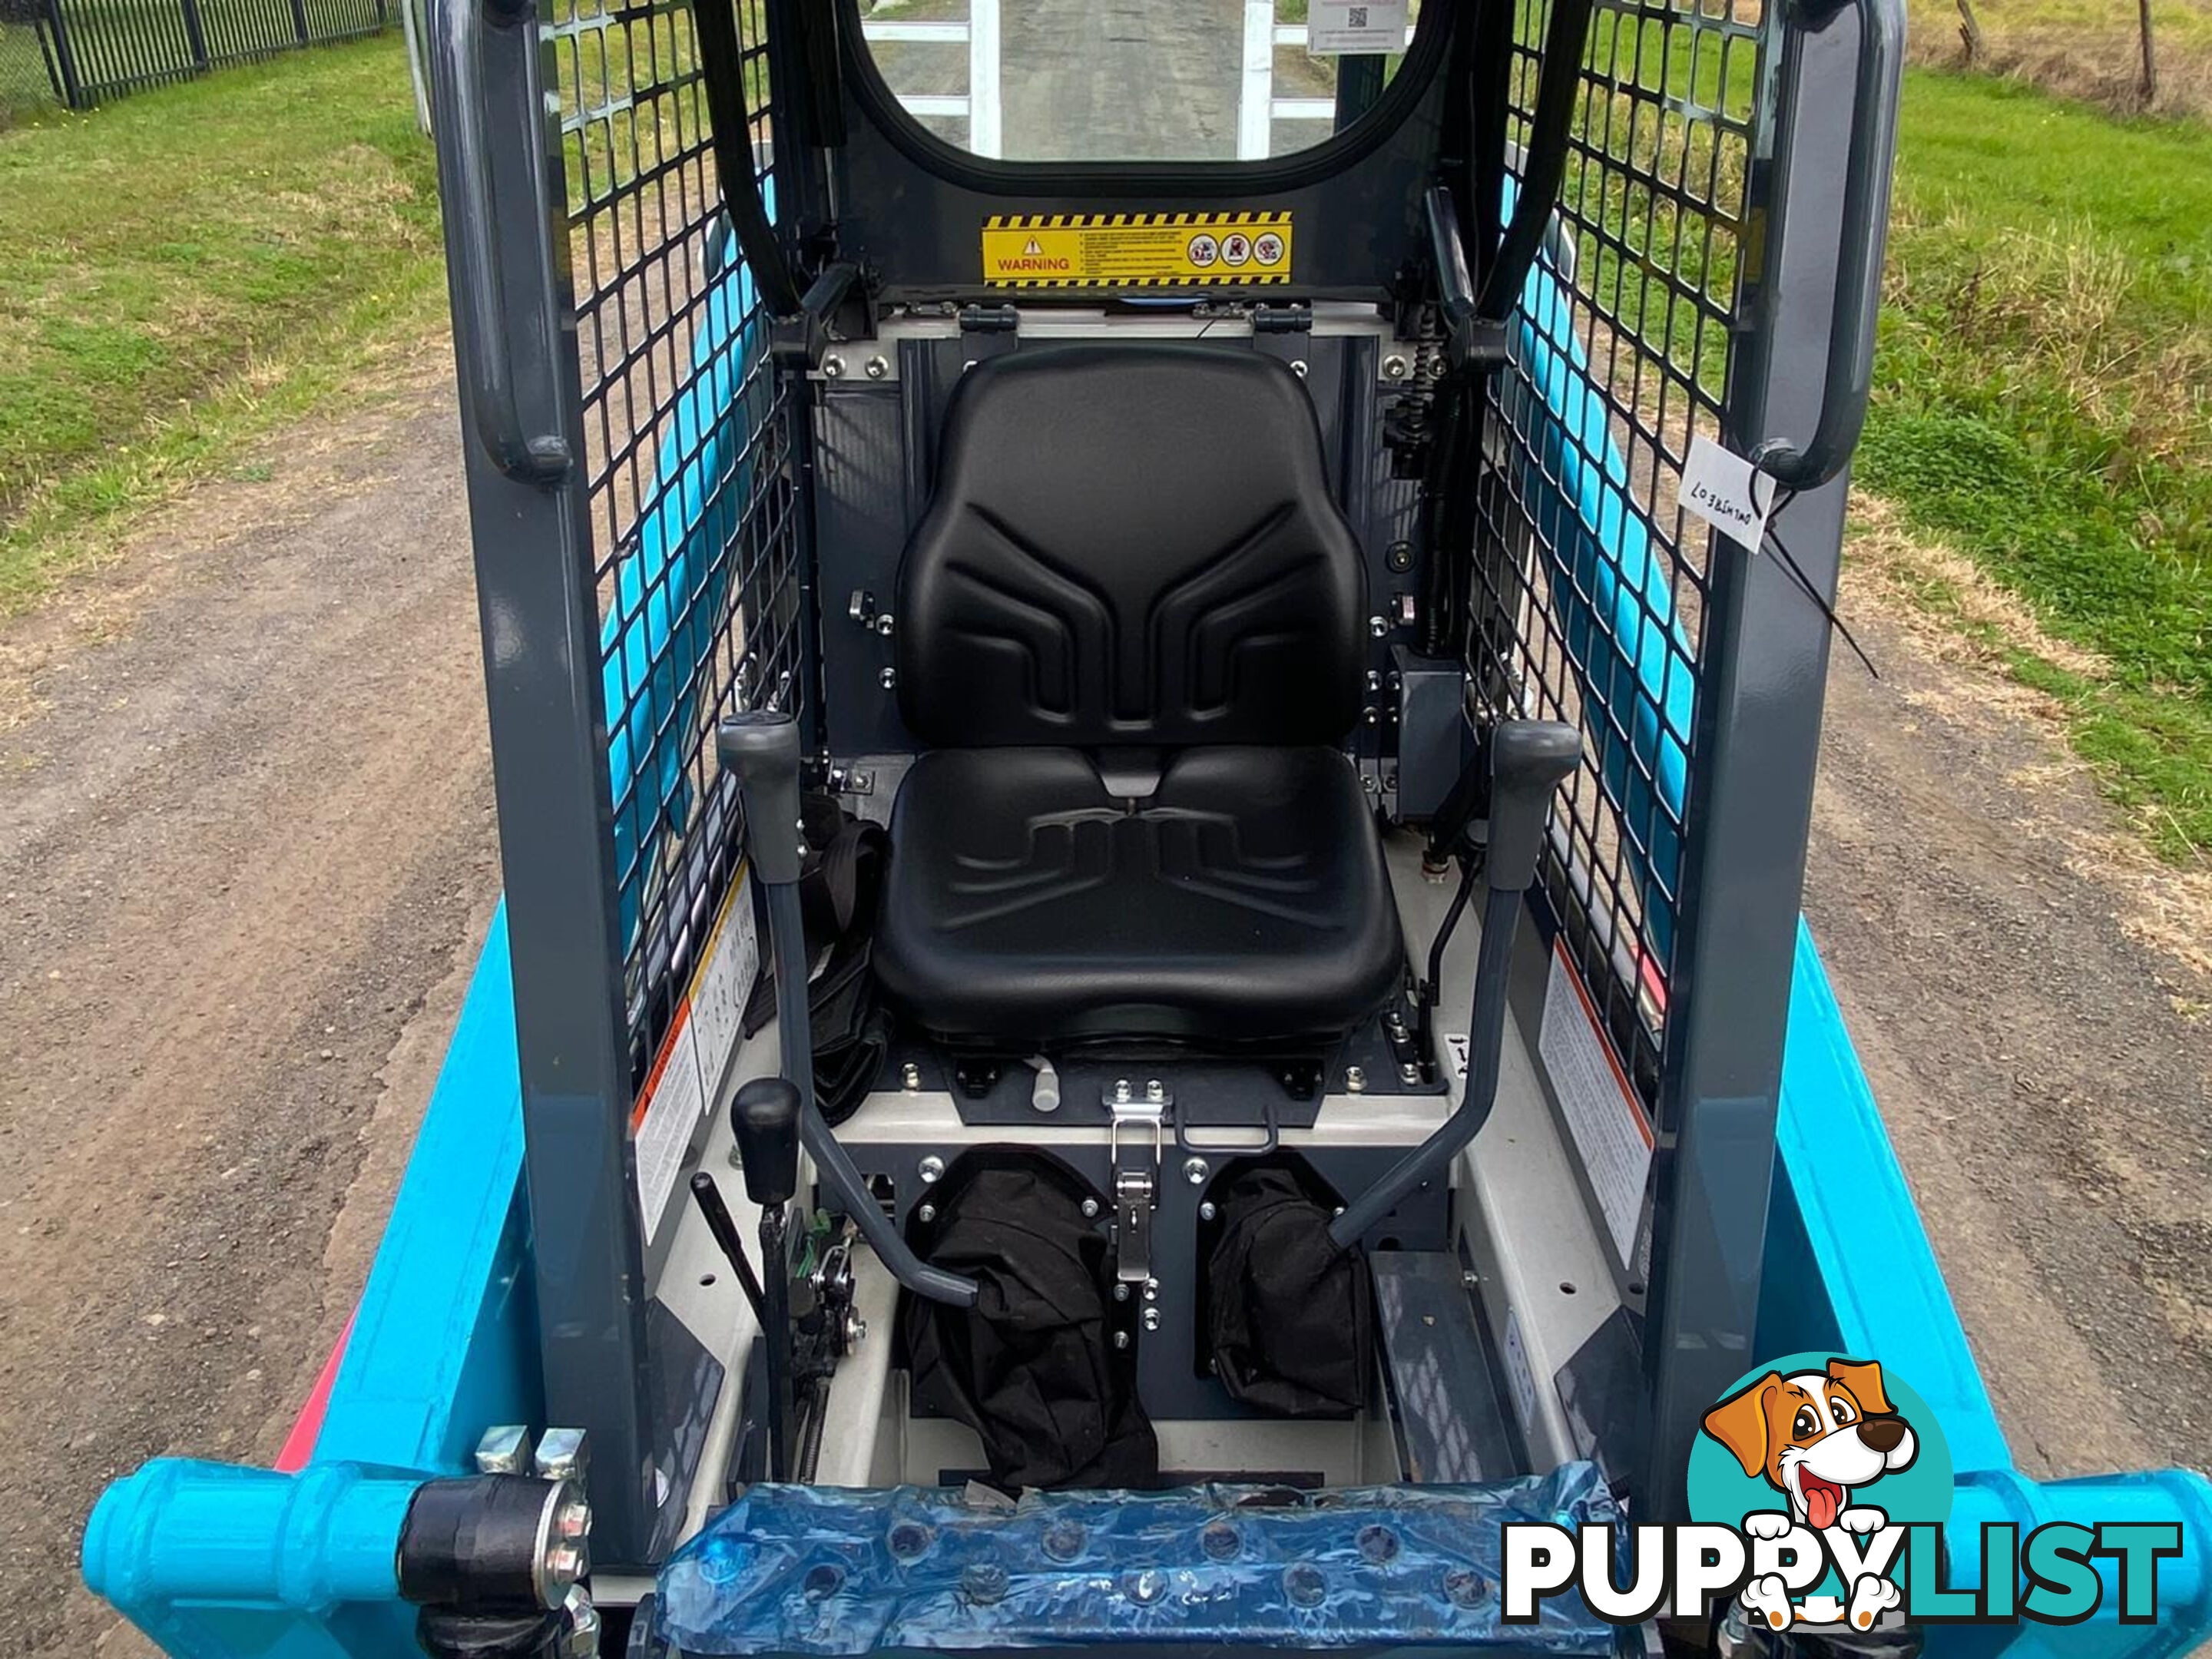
723	985
668	1109
1603	1114
1355	25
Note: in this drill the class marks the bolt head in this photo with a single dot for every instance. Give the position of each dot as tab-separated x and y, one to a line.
833	367
1378	626
504	1449
1355	1080
932	1168
1206	1212
1152	1319
564	1564
1194	1172
1298	367
1122	1092
877	368
1120	1290
1409	1073
1395	367
572	1522
1155	1091
1151	1290
885	623
1120	1339
887	679
925	1214
910	1077
579	1638
856	1330
1090	1209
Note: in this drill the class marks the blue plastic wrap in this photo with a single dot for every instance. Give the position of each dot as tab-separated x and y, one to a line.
820	1570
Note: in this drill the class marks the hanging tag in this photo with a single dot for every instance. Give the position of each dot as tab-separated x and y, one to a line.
1727	492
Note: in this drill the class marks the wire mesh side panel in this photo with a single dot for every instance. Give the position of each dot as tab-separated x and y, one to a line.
1589	603
694	514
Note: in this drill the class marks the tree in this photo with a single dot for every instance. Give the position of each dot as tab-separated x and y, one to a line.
2148	87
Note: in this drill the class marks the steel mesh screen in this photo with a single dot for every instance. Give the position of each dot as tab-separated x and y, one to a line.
693	507
1591	597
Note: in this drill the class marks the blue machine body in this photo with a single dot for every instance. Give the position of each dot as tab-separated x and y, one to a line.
217	1562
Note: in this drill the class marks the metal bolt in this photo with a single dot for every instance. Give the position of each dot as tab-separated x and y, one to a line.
1090	1209
1206	1212
579	1636
1155	1091
1469	1280
564	1565
925	1214
1399	555
877	368
1122	1093
884	624
910	1077
1151	1290
833	367
1120	1290
932	1168
1152	1319
573	1521
1378	626
1120	1339
888	679
1394	1024
1298	367
1194	1172
1408	1072
504	1450
1395	367
856	1329
1355	1080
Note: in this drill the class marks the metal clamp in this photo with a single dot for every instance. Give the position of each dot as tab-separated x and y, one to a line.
1136	1177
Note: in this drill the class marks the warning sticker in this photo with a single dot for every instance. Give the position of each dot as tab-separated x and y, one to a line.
1609	1125
668	1109
1136	250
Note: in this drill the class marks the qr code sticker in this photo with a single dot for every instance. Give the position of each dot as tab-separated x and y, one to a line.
1355	17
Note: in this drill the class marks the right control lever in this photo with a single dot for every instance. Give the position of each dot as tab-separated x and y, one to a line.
1528	761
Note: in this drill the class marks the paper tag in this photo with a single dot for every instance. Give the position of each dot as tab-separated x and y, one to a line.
1727	492
1356	26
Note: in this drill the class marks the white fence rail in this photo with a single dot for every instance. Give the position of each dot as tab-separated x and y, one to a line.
980	106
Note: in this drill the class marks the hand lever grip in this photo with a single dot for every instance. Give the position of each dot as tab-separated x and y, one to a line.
765	1117
1528	760
760	749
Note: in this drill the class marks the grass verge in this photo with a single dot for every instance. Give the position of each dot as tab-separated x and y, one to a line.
183	271
2044	403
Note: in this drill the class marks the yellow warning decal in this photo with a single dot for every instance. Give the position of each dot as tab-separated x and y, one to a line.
1136	250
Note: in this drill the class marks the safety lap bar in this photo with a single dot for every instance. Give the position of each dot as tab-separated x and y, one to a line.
464	117
1858	300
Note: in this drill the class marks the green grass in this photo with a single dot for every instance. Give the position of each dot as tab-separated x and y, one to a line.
182	270
2043	402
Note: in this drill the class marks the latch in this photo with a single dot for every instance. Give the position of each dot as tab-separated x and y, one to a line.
1135	1139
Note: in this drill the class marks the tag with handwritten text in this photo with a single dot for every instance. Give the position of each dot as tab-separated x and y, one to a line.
1727	492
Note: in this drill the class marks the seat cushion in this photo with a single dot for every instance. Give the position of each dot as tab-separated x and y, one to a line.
1244	903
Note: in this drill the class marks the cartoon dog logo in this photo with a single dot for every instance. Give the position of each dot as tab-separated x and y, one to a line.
1818	1437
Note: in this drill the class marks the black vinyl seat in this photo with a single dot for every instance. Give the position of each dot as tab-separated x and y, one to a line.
1131	625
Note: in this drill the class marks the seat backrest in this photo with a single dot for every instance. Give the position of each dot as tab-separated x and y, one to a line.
1131	544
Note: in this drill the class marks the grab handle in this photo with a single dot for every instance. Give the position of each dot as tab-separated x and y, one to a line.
1849	373
464	121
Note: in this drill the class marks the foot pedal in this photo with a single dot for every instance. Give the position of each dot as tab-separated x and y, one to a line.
1454	1421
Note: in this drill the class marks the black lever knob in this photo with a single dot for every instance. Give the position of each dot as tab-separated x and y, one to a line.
765	1118
1528	760
762	749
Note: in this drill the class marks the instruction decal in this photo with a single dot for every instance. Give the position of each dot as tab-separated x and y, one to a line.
1336	27
687	1073
1603	1114
1136	250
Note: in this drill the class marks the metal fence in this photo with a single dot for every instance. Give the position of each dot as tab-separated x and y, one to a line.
75	54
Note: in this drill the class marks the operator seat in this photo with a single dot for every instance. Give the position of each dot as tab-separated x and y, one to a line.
1132	628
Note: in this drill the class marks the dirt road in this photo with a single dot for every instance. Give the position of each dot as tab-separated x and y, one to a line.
246	852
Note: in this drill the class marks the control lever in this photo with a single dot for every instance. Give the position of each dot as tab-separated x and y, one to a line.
1528	761
765	1118
708	1197
760	749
